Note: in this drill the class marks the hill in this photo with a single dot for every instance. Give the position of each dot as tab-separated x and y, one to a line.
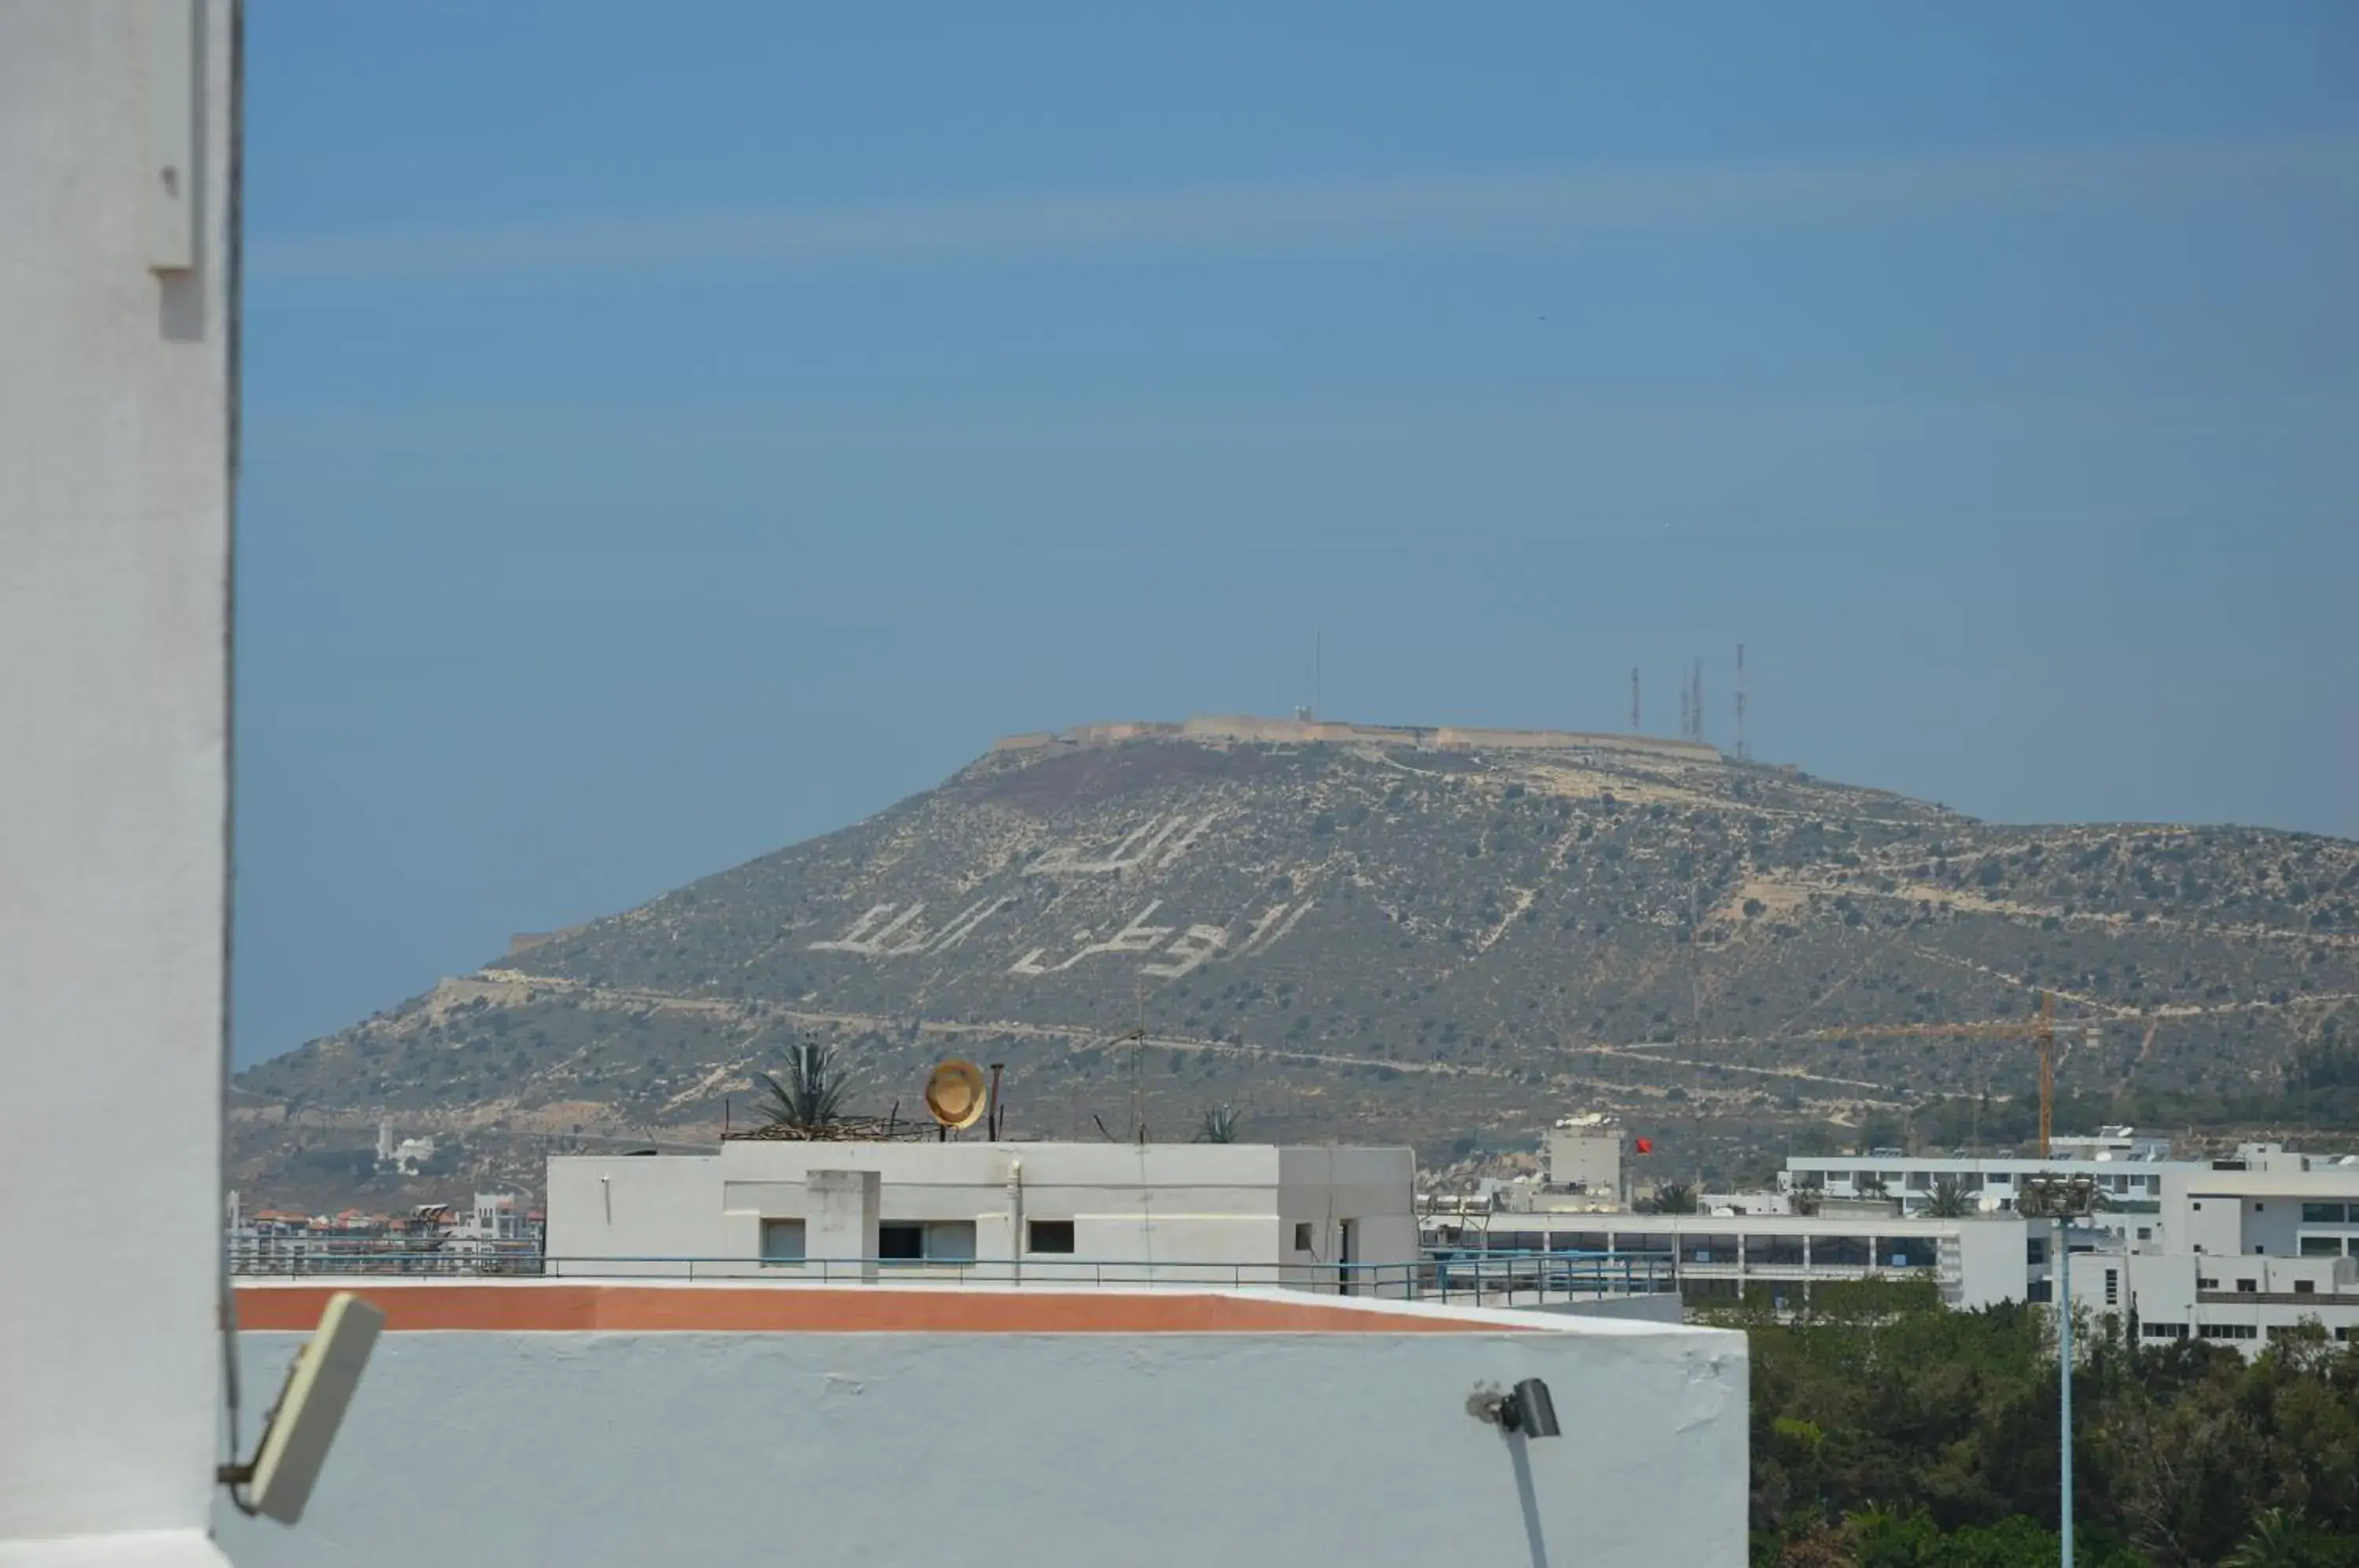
1439	936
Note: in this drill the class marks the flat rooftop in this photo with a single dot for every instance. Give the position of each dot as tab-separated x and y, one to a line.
698	1307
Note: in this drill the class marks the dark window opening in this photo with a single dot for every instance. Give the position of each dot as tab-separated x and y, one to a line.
901	1242
1048	1235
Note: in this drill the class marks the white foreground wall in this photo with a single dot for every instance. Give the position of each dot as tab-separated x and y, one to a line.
1032	1451
116	407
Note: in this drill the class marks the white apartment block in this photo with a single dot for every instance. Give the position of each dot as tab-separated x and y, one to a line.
1974	1261
1235	1213
2267	1239
2130	1171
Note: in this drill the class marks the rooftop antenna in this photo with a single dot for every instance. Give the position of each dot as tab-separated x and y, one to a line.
1636	727
1698	699
1743	746
1318	671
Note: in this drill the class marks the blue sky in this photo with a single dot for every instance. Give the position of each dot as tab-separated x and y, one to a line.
673	433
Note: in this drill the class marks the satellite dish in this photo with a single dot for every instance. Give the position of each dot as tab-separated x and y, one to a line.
956	1093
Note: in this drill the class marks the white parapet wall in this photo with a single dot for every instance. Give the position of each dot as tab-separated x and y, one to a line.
117	331
1032	1429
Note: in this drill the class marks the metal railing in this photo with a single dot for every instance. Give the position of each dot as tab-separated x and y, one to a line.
1499	1278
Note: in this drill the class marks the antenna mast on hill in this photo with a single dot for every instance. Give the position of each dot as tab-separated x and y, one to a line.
1695	702
1636	727
1743	746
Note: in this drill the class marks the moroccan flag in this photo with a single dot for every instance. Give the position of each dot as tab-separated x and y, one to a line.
1646	1146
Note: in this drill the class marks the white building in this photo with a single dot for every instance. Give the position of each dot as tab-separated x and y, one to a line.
1974	1262
1247	1213
2243	1301
2126	1168
1584	1156
2262	1241
496	1217
2267	1239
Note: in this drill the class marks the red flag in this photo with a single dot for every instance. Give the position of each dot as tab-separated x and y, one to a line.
1646	1146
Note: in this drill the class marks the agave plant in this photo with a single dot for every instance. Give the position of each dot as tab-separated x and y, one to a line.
1218	1125
811	1101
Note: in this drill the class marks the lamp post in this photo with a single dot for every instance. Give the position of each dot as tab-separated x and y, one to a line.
2062	1199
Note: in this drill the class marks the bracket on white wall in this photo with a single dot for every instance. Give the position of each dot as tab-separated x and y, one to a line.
326	1372
170	205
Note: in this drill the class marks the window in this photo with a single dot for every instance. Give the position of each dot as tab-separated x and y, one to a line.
1697	1247
926	1241
1056	1236
1302	1236
2162	1331
2305	1287
2113	1287
2146	1233
1839	1252
1775	1251
2203	1284
2228	1330
1518	1241
1904	1251
1579	1241
2322	1246
2035	1250
2000	1179
782	1241
2323	1214
950	1241
2247	1286
2040	1291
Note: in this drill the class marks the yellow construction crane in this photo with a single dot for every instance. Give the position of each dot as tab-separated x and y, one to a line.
2042	1029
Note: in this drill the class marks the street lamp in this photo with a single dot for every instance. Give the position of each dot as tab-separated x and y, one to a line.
2062	1199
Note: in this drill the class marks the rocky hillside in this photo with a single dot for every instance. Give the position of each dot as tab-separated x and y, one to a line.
1376	937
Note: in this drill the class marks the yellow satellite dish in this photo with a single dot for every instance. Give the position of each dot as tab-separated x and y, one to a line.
956	1093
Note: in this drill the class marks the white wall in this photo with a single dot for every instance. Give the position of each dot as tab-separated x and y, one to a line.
1093	1451
1164	1204
2221	1212
1993	1262
116	404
